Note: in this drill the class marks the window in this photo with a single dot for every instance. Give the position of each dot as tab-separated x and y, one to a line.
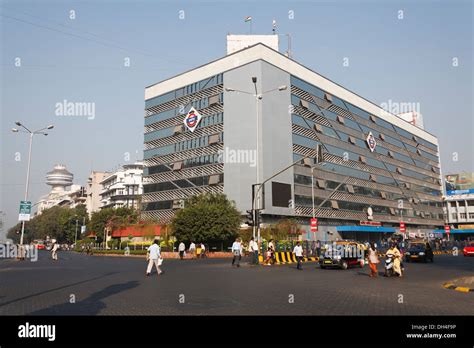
470	203
213	139
462	215
321	184
471	215
281	194
214	99
340	119
304	103
178	165
178	129
334	205
328	97
454	216
214	179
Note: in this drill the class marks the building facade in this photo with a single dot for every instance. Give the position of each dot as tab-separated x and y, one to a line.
93	190
245	137
122	188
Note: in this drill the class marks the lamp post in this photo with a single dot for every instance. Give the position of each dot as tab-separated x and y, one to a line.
31	134
258	99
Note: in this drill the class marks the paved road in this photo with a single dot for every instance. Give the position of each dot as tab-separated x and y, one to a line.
118	286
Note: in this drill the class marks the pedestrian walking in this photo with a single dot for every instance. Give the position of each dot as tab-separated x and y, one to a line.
271	248
54	250
181	249
203	251
298	251
192	250
373	260
237	251
318	248
154	257
253	249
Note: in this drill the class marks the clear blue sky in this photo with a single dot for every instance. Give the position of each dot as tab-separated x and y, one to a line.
81	60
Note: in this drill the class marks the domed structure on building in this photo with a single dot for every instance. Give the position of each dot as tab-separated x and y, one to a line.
59	178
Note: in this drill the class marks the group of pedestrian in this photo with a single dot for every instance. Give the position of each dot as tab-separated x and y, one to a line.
373	258
192	250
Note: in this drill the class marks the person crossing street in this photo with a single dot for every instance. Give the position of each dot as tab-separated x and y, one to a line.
298	251
154	256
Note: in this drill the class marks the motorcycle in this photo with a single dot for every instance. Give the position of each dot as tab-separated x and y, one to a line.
389	265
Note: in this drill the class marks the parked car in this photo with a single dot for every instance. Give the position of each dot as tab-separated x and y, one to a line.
469	249
419	252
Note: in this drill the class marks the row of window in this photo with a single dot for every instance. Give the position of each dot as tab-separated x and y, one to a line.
187	90
183	109
359	128
462	216
470	203
357	111
359	207
206	121
359	190
347	171
184	183
194	143
188	163
349	155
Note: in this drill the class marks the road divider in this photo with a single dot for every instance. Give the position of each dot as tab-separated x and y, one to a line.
287	257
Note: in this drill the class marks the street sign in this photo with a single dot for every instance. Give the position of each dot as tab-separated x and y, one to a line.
192	119
447	229
402	227
25	211
370	223
371	142
314	225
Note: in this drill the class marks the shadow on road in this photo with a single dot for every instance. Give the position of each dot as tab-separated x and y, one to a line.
55	289
92	305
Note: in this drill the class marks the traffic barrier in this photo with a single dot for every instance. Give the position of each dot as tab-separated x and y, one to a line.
452	286
287	257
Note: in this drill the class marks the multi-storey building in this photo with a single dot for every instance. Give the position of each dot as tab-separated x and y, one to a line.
267	111
93	190
122	188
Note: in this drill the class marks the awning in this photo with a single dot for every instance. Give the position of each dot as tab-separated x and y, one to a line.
378	229
454	231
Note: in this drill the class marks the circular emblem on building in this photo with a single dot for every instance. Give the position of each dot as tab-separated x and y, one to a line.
371	142
192	119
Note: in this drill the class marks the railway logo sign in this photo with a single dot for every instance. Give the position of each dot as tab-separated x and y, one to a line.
192	119
371	142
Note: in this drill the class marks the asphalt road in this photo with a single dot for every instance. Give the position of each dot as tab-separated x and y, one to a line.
118	286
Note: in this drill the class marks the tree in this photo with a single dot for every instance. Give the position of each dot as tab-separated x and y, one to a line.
56	222
206	218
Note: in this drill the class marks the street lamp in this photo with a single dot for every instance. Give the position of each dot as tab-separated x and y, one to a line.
31	133
258	98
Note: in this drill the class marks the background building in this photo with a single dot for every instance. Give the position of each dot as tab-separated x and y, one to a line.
63	192
460	204
296	110
93	190
122	188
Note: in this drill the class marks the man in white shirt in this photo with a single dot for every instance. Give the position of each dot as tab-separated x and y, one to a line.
237	251
181	249
192	249
298	251
253	249
203	250
54	250
154	254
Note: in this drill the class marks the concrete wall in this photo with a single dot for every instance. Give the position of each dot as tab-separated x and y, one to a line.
240	132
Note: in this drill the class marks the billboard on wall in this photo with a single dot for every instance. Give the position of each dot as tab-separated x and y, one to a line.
458	184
